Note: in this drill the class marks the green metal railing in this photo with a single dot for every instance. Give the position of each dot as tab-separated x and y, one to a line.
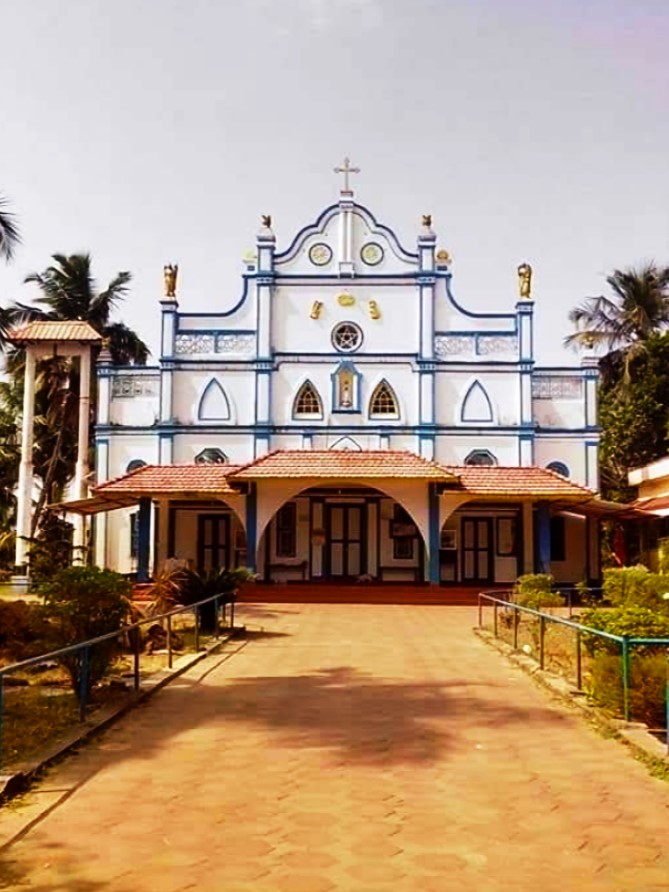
627	643
130	630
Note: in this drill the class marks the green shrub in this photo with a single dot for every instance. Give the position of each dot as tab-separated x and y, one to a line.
635	587
82	603
23	630
634	622
648	673
535	590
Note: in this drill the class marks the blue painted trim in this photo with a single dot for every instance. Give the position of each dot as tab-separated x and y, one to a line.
433	534
346	365
475	387
143	539
114	431
446	278
213	386
251	527
318	226
348	439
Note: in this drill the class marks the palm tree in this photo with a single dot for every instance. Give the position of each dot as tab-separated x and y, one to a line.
638	308
68	291
9	232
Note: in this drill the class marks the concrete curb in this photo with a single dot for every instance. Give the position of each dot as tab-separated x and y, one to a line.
24	773
635	734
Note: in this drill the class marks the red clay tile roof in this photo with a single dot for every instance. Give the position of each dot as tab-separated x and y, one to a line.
54	331
516	482
332	463
156	480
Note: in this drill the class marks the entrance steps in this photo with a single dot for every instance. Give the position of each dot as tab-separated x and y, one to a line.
358	593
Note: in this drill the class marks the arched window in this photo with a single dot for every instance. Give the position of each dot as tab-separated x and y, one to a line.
481	458
211	456
307	401
384	402
135	464
559	467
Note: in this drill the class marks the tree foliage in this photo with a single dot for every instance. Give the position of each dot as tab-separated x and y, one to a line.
67	291
10	237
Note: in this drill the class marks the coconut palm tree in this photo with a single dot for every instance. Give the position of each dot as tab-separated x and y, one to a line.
68	291
9	232
638	308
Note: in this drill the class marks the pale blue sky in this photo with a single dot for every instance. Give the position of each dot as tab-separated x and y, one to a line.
148	131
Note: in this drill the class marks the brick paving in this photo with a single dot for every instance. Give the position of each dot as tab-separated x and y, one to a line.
352	748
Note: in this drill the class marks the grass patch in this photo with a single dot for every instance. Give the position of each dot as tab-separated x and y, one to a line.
33	718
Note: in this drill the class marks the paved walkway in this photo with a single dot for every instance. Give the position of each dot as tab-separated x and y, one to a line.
350	748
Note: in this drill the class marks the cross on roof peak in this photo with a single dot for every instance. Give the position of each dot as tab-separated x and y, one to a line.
346	169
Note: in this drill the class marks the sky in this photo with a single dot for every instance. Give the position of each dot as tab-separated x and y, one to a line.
156	131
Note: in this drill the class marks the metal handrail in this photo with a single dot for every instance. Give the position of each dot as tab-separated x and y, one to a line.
626	642
85	646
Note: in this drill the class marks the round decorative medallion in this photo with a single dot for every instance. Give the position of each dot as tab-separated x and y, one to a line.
346	337
371	253
320	254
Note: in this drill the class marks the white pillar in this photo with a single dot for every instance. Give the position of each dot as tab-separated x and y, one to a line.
25	487
81	468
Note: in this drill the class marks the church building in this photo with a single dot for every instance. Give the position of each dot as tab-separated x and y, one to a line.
347	417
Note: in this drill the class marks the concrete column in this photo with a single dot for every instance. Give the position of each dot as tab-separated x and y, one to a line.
528	537
144	540
251	527
433	534
25	485
81	468
162	545
101	520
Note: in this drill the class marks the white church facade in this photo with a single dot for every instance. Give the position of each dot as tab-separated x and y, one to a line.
347	417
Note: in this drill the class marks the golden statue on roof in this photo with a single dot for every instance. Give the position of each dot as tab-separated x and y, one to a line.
525	281
170	272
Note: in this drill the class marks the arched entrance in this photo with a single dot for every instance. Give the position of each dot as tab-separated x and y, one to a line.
342	533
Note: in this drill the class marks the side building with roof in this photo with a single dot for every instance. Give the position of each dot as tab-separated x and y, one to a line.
346	417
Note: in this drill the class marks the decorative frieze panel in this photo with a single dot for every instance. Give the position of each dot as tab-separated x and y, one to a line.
453	345
129	386
192	344
557	387
214	342
487	344
235	343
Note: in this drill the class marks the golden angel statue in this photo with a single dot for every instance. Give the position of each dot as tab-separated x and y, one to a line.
170	272
525	280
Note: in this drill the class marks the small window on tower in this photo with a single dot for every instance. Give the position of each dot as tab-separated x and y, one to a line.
307	401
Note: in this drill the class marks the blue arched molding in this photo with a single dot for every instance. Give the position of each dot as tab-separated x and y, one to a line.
214	404
481	458
346	366
346	444
135	465
318	227
476	406
560	468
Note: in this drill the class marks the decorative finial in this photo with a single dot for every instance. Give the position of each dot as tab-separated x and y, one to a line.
170	272
427	221
525	281
266	220
346	169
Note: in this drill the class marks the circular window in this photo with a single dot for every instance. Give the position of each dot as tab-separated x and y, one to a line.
347	337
